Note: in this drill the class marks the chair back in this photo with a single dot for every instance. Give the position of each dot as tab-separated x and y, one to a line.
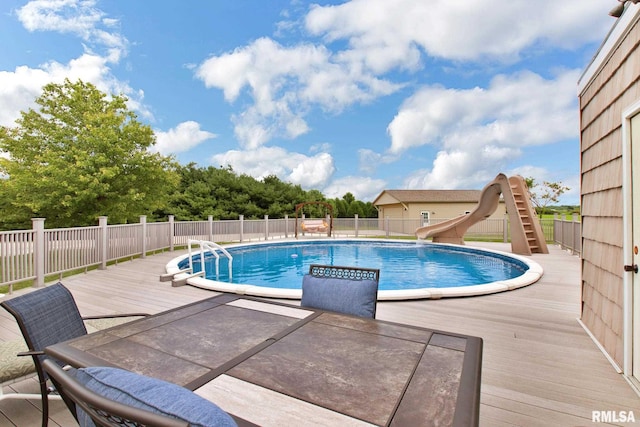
348	290
46	316
102	411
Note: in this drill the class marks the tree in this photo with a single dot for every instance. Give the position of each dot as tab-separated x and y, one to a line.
80	156
545	194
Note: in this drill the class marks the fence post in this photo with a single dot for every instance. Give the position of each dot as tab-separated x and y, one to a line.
356	224
241	228
286	226
561	222
103	240
386	227
38	250
575	225
171	232
266	227
143	222
505	228
210	224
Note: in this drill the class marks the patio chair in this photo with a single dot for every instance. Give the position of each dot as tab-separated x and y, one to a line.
348	290
105	396
101	411
48	316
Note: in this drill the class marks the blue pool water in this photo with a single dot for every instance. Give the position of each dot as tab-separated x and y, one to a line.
402	265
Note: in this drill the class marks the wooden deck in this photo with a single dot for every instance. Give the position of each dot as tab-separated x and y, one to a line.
540	368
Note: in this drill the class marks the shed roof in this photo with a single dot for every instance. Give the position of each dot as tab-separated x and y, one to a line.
431	196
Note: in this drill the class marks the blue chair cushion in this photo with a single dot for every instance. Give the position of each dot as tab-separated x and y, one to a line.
152	395
356	297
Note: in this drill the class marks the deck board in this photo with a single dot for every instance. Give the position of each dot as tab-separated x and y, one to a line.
540	367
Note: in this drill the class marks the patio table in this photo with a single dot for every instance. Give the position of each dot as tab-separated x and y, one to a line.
271	363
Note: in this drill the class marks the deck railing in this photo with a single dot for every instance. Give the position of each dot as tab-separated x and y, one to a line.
568	233
39	253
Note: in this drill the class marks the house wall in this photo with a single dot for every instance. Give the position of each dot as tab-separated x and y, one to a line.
393	211
610	88
445	210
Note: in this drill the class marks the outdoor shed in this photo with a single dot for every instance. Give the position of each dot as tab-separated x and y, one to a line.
609	98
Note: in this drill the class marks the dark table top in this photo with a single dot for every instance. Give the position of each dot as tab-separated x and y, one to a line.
278	364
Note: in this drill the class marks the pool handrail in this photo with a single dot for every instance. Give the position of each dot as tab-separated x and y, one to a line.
212	247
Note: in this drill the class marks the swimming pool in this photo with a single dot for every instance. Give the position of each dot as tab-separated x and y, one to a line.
408	270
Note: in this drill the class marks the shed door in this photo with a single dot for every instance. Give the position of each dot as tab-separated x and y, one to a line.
426	220
635	215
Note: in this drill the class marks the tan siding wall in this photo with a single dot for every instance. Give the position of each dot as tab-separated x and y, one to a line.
442	210
386	199
392	211
611	91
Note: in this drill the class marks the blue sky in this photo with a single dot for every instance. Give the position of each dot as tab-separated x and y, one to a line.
357	96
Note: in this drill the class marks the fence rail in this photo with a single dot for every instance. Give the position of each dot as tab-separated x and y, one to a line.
32	255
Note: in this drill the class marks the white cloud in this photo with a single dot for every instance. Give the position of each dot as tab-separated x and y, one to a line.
519	110
369	161
384	34
473	170
482	131
20	88
366	39
79	17
182	138
365	189
462	168
284	83
310	172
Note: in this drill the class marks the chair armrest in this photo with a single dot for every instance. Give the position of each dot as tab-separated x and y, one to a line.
31	353
113	316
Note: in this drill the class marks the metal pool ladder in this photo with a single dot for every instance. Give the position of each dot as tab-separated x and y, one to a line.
180	278
214	248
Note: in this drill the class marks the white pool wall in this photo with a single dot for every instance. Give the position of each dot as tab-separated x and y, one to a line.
530	276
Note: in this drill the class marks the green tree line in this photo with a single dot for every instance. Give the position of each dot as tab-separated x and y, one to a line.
224	194
82	154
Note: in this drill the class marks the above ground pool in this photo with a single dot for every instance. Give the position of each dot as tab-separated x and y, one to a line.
408	269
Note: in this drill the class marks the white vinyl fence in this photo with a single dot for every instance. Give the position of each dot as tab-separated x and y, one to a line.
32	255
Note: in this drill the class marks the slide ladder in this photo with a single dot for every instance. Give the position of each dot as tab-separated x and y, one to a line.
533	234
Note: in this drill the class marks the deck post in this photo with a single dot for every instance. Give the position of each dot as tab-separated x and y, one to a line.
38	251
386	227
356	225
286	226
210	225
171	232
505	228
576	246
143	223
560	238
103	239
266	227
241	217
